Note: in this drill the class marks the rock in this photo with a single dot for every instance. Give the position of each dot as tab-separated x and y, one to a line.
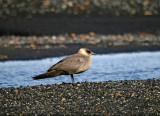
47	47
3	57
63	46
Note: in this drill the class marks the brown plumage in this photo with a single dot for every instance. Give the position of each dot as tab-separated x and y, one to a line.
73	64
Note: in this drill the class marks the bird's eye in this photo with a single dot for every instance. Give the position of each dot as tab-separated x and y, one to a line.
88	51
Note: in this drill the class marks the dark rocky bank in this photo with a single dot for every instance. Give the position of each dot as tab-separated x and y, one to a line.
129	97
61	50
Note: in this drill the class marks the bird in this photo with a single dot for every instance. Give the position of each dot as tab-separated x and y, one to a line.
72	64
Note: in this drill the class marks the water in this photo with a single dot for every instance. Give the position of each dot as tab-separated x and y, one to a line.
124	66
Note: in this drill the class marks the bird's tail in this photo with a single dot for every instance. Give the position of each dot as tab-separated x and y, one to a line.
48	74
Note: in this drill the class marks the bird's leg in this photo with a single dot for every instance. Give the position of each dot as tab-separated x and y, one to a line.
72	78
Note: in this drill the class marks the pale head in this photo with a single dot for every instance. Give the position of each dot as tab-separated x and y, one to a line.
86	52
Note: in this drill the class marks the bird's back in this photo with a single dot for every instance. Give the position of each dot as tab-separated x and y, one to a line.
73	64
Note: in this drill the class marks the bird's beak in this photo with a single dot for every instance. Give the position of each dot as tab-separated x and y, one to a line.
93	53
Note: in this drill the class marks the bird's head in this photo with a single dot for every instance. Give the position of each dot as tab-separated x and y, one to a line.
86	52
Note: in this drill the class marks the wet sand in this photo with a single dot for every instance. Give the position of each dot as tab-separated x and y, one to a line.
60	25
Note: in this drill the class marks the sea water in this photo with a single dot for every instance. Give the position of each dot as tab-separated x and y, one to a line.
121	66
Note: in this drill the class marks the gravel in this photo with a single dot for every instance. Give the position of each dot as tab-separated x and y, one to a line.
14	47
128	97
31	8
92	38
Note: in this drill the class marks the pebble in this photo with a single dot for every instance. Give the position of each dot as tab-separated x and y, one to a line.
128	97
3	57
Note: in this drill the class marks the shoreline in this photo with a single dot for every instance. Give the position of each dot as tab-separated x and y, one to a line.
12	53
133	97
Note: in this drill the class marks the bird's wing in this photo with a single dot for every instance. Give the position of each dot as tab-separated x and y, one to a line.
71	64
52	67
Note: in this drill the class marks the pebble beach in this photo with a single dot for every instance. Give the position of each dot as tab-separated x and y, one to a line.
129	97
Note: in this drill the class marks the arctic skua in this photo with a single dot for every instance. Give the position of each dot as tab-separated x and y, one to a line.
73	64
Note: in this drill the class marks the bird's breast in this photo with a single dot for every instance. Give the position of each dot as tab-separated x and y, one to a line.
85	65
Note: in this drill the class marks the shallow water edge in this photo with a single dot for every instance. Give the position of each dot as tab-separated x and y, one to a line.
122	66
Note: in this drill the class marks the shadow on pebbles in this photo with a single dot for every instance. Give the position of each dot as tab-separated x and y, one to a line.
129	97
